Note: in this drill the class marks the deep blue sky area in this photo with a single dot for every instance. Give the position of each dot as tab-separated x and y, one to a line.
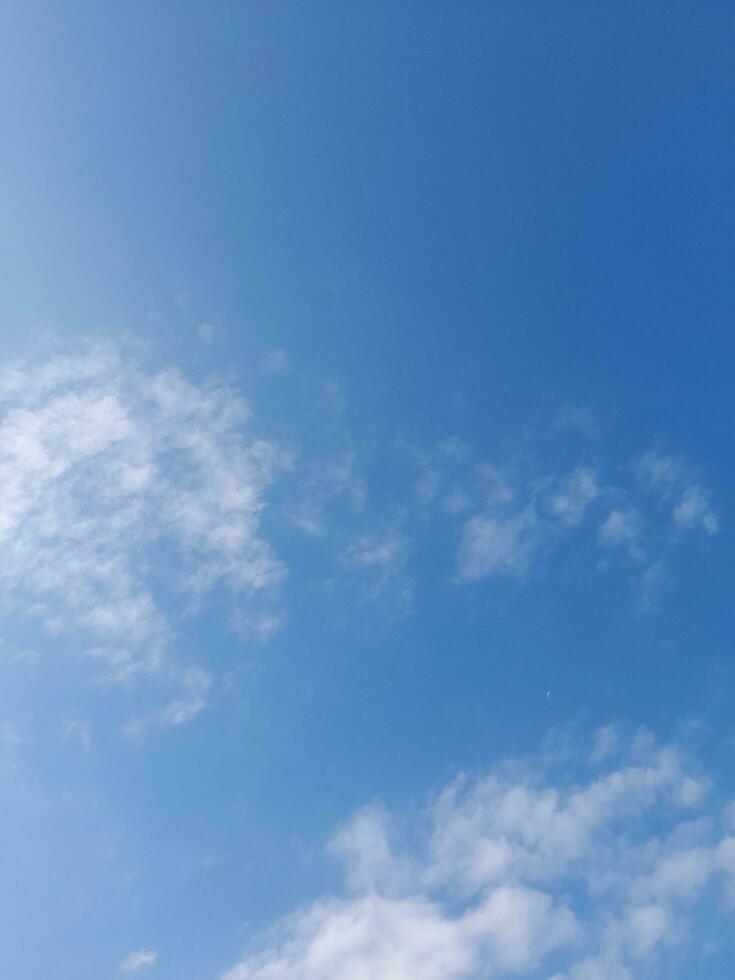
365	420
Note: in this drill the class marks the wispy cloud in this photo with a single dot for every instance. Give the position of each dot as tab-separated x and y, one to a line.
380	559
80	731
333	479
139	960
101	464
194	685
675	484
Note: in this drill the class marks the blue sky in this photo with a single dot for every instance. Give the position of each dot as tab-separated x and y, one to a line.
365	491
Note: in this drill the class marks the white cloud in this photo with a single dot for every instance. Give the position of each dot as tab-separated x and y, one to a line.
401	939
503	870
138	960
101	464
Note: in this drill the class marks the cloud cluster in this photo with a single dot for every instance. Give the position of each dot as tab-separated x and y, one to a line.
121	489
512	515
522	869
126	494
672	481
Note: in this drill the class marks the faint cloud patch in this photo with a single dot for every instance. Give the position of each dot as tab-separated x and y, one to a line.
194	685
495	546
606	744
673	482
257	627
138	960
694	509
575	493
79	731
207	333
8	734
622	529
276	361
381	559
651	586
581	419
322	485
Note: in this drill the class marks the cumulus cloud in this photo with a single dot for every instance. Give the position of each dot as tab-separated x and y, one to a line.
504	873
104	467
374	937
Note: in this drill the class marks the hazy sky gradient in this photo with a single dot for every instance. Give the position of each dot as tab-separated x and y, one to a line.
365	490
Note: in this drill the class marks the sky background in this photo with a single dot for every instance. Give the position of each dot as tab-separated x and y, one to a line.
365	423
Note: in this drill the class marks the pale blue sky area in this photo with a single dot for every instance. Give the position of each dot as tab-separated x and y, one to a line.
365	490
